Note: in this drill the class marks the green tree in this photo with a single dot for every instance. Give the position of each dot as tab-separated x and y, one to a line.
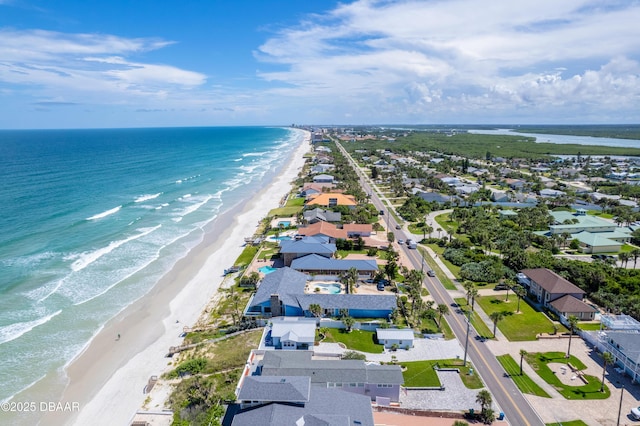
316	310
484	399
442	310
572	322
521	292
523	353
607	359
495	317
348	323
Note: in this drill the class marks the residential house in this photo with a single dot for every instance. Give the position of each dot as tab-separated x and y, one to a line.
620	336
323	179
314	264
282	293
332	199
290	333
315	188
548	287
354	376
317	245
551	193
323	229
355	230
321	215
401	337
285	400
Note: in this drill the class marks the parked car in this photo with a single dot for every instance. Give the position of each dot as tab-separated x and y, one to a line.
635	413
380	287
431	273
501	286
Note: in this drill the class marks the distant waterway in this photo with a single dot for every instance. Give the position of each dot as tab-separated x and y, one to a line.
564	139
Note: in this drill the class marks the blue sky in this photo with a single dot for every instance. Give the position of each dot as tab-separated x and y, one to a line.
90	63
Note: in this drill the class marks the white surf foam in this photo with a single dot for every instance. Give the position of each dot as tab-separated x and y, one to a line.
105	213
147	197
13	331
88	258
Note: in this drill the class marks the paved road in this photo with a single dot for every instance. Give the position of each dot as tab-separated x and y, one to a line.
518	411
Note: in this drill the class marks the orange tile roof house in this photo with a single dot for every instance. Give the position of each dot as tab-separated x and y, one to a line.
323	228
331	199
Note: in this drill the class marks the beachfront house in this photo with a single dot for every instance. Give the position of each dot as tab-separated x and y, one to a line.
317	245
290	333
282	293
320	266
321	215
354	376
294	400
332	199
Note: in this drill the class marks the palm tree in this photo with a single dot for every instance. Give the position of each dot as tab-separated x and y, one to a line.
523	353
467	285
624	259
316	310
484	399
607	359
474	294
635	253
510	284
442	310
521	292
495	317
572	322
348	323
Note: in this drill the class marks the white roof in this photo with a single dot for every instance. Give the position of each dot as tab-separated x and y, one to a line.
302	331
394	333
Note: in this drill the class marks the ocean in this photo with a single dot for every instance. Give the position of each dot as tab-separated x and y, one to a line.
91	219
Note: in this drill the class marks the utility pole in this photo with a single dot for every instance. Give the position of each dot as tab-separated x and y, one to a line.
466	342
620	407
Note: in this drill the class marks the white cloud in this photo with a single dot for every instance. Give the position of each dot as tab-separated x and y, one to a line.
89	67
437	58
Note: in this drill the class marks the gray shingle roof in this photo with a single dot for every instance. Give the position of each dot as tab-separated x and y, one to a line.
550	281
276	363
326	407
275	389
307	245
313	262
348	301
285	281
325	215
568	303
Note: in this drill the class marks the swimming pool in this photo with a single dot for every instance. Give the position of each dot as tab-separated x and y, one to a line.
331	288
285	223
267	269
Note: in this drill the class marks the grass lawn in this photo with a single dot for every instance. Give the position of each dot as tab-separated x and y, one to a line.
476	321
422	374
286	211
521	326
358	340
246	256
571	423
295	201
522	381
589	326
446	282
591	390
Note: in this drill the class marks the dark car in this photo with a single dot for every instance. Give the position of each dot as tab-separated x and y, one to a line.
398	227
431	273
380	287
501	286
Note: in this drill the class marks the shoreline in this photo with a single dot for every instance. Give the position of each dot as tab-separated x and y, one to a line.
107	379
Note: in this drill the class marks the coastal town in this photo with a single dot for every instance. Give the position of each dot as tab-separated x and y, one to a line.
400	282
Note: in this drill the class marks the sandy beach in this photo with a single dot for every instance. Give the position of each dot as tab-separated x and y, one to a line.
107	380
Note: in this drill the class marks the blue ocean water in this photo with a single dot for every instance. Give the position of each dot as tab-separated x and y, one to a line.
91	219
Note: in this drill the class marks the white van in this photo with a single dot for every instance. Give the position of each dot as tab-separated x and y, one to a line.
635	413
